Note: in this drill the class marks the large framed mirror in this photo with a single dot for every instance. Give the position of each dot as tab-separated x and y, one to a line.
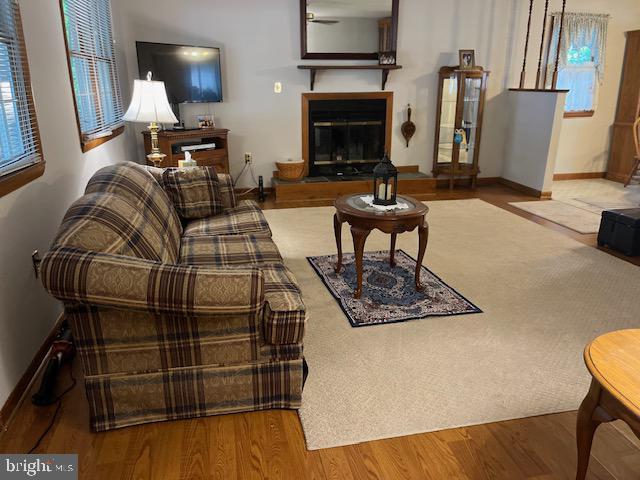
347	29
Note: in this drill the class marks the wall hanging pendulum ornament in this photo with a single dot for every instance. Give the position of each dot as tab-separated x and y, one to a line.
408	128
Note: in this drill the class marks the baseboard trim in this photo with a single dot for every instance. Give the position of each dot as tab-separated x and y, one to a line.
13	400
524	189
484	181
616	177
442	183
578	176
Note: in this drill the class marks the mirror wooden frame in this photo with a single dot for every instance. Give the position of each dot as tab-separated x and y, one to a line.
304	54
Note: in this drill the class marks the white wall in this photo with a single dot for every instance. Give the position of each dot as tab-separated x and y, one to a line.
260	42
30	215
584	143
531	146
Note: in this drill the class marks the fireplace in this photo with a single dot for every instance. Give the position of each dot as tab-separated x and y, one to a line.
345	135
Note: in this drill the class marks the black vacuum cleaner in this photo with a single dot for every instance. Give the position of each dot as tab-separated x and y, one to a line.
62	351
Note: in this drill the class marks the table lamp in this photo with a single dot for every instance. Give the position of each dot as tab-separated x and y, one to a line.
150	104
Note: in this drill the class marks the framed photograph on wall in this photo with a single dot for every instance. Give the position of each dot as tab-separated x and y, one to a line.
467	59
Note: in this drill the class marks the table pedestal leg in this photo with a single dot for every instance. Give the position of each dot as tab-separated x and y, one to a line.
337	230
423	237
392	252
359	237
586	428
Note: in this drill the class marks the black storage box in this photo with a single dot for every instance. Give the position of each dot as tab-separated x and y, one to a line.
620	230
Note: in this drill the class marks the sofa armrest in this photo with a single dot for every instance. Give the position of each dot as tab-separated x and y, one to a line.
116	281
227	191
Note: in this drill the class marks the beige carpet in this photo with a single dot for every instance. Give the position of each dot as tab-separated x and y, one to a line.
544	296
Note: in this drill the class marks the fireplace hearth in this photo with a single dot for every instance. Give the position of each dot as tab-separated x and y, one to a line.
346	134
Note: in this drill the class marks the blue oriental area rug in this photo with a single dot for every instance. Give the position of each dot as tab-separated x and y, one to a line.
388	293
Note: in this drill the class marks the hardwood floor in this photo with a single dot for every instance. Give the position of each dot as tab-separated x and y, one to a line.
271	444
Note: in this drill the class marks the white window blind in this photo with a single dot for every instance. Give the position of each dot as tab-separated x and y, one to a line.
93	66
19	136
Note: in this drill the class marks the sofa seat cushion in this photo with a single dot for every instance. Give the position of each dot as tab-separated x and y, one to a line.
285	312
229	250
246	217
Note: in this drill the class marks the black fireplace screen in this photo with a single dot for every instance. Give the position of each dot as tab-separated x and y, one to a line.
346	136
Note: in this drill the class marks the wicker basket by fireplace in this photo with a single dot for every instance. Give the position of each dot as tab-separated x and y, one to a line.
290	170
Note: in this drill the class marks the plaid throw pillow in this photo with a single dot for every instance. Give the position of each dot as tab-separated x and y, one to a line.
195	192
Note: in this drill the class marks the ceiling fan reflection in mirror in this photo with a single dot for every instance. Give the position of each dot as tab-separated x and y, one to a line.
312	19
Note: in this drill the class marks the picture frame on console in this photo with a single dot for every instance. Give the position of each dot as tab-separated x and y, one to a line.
205	121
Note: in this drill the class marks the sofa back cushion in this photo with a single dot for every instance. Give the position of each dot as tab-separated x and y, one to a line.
195	192
137	186
227	191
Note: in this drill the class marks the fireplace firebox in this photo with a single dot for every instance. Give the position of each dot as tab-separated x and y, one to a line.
346	136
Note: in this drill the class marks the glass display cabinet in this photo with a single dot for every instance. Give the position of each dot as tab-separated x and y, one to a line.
461	95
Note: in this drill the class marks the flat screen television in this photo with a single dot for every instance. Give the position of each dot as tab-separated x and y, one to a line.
190	74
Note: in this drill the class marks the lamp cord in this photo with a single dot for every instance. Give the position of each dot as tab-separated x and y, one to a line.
253	177
59	406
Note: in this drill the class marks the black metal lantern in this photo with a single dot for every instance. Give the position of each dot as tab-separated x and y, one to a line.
385	182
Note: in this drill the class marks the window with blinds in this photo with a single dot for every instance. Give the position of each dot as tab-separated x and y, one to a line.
92	64
19	136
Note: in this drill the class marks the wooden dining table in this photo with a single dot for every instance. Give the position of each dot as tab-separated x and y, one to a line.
613	360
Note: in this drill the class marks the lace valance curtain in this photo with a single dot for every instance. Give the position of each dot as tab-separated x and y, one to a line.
579	30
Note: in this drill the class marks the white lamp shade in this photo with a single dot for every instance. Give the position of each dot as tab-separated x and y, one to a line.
149	103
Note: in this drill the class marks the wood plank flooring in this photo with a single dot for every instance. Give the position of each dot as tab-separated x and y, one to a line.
271	445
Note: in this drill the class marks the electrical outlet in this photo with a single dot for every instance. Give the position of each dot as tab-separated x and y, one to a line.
248	157
277	87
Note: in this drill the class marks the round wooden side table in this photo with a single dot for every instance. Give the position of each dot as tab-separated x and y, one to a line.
613	360
363	218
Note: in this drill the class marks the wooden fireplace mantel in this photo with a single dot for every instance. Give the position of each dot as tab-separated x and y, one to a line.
313	69
307	97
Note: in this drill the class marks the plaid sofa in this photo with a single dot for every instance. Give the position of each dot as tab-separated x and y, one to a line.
174	321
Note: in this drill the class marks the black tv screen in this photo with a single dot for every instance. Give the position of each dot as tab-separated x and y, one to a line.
190	74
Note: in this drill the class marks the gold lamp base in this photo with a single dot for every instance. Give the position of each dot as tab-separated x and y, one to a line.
156	157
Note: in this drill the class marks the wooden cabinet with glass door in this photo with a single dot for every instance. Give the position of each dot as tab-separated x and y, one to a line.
461	95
